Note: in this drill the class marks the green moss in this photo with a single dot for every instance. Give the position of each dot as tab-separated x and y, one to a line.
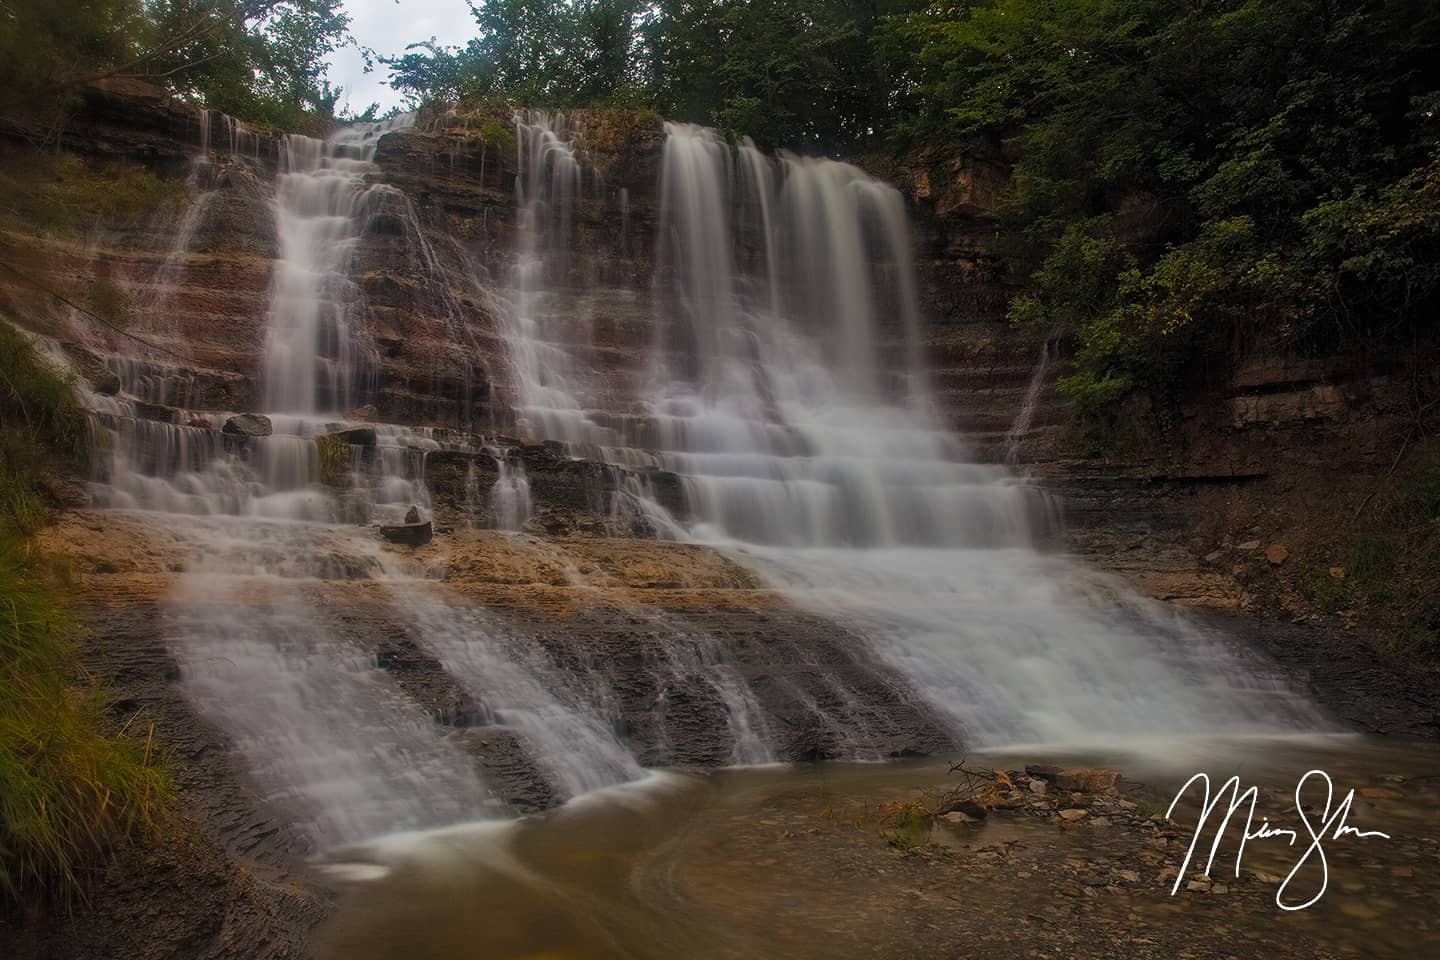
334	458
68	194
498	134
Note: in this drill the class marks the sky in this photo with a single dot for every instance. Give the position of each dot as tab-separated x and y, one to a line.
387	26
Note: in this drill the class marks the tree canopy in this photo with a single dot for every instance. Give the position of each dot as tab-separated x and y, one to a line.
260	60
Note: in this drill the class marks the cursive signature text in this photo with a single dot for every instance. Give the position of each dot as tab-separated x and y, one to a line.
1331	825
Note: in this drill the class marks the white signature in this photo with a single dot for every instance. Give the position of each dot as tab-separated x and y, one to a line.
1332	826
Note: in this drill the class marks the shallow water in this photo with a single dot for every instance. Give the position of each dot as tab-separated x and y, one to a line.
791	861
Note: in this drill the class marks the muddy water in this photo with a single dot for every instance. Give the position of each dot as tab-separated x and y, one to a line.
801	861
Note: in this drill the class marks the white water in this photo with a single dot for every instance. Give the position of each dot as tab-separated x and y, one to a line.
787	391
314	345
784	385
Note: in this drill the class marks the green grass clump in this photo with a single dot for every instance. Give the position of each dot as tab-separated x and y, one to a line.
70	788
71	785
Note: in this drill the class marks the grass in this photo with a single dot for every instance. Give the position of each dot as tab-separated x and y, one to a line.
1386	566
72	783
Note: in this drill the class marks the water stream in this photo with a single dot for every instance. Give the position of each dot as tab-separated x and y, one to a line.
783	385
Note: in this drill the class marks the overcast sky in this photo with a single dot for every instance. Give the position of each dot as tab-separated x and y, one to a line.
387	26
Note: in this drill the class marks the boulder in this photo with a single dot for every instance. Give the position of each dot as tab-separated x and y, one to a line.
248	425
408	534
1086	780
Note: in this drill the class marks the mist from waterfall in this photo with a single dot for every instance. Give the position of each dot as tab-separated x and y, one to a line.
787	391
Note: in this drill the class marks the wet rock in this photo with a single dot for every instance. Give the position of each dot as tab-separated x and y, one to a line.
1086	780
248	425
967	808
157	412
960	816
355	436
408	534
101	378
1277	554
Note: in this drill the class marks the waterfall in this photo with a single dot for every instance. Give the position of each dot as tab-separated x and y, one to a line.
510	496
314	347
789	397
1026	415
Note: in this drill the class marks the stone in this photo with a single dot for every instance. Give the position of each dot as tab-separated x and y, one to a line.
1249	545
1200	886
1277	554
248	425
1129	876
1219	888
959	816
1073	814
1043	771
101	378
408	534
413	514
1337	573
355	436
156	411
1214	556
969	808
1038	787
1086	779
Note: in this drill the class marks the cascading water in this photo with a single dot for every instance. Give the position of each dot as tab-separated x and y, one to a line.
787	303
313	345
1023	419
783	387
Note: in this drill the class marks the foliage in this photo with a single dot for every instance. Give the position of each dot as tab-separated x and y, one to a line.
259	60
1197	178
785	72
69	786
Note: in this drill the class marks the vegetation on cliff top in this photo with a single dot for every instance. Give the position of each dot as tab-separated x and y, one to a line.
71	786
1196	178
259	60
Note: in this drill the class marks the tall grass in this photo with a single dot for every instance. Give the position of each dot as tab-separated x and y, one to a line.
73	782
